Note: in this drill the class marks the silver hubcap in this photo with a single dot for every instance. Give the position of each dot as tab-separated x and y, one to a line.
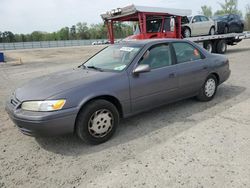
212	31
223	48
210	87
187	33
100	123
209	47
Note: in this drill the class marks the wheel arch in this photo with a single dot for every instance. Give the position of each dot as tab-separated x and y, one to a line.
108	98
216	76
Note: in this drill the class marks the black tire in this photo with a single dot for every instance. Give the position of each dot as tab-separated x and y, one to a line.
208	45
186	32
226	30
83	121
221	46
203	96
212	29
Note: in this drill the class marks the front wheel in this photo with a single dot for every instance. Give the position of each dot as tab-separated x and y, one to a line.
208	89
97	121
186	32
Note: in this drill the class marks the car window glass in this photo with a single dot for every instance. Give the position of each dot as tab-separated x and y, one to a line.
167	26
204	19
156	57
114	57
186	52
196	19
153	25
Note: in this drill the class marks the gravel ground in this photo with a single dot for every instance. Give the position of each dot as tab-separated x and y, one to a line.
185	144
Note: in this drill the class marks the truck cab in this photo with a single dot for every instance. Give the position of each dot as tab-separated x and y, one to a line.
149	22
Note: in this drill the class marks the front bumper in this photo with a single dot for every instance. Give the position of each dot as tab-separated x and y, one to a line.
42	123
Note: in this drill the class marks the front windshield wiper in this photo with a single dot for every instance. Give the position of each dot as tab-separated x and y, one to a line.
96	68
82	65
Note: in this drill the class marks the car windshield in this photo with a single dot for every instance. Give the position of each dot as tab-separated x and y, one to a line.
189	18
113	58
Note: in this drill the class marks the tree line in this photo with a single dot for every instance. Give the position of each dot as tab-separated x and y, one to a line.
79	31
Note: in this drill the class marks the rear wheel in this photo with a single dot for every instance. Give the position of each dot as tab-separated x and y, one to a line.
221	47
208	45
208	89
97	122
225	30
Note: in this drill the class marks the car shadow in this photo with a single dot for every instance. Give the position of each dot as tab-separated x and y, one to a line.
144	124
237	50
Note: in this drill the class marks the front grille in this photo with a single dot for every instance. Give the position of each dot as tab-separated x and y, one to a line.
14	101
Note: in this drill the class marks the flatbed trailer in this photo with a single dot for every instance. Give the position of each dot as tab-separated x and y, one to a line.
169	26
218	43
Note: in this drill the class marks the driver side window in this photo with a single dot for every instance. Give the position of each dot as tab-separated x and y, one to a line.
196	19
157	56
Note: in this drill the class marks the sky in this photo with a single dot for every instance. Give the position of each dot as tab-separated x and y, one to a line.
25	16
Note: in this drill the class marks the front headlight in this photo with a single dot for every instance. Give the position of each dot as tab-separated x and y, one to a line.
43	106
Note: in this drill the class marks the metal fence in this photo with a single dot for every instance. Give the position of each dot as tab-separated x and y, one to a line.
45	44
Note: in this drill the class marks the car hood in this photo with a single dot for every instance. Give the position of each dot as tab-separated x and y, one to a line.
46	86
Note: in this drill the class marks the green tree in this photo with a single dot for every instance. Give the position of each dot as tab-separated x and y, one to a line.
37	36
63	34
229	7
247	18
207	11
72	33
8	36
82	30
1	37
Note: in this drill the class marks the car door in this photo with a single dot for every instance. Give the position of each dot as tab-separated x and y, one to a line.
232	23
156	87
190	68
196	26
238	25
205	25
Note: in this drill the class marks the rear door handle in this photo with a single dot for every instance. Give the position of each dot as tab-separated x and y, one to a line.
172	75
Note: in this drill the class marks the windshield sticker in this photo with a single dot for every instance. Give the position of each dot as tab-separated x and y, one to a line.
127	49
120	67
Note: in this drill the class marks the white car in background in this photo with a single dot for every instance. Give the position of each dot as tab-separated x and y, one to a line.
197	25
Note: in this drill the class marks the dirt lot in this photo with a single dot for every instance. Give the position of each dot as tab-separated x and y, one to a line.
186	144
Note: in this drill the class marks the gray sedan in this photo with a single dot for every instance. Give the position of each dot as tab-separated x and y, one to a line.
118	82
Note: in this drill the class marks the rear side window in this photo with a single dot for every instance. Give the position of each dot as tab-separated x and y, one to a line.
157	56
185	52
204	18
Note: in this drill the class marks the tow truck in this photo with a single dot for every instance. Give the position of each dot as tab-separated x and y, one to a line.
158	22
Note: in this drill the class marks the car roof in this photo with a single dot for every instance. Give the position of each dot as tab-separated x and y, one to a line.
148	41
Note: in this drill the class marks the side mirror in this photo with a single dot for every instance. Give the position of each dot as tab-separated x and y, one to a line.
141	69
194	20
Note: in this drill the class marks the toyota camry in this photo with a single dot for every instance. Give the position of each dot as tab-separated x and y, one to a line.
119	81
